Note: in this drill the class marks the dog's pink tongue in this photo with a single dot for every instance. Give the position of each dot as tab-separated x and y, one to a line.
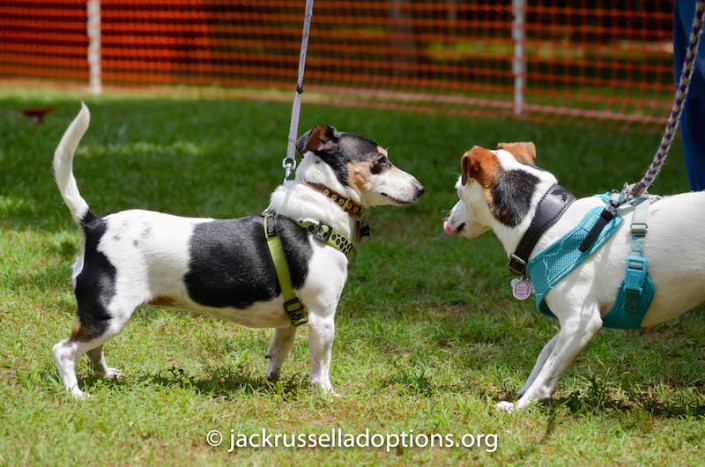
447	229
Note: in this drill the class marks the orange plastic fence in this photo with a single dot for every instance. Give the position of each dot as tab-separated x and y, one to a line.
605	59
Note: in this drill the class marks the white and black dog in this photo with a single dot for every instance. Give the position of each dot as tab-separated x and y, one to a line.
500	190
223	267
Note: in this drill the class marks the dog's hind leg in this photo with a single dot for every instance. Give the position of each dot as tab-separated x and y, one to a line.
543	356
69	350
278	350
66	353
88	336
577	329
97	358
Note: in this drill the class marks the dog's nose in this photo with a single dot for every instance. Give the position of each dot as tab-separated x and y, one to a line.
420	190
447	229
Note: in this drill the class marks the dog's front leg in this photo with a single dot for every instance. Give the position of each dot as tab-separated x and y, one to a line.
543	356
278	350
576	332
321	330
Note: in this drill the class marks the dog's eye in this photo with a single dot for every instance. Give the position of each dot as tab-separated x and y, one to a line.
379	165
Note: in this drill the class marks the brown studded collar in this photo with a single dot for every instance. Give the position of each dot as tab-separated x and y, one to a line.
346	204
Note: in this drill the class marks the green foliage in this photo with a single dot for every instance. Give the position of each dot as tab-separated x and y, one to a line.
428	336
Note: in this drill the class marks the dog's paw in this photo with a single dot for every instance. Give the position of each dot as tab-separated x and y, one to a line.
330	395
112	373
273	376
79	395
326	389
506	406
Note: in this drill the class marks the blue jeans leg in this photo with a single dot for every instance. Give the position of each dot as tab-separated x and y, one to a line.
693	137
692	121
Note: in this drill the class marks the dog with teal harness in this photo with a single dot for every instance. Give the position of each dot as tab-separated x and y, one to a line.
613	288
636	292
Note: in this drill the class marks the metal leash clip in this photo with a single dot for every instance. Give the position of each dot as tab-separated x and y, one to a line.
289	165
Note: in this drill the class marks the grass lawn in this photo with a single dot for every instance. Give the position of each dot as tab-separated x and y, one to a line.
428	335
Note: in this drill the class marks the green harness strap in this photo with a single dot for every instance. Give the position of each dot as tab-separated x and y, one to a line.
327	234
295	310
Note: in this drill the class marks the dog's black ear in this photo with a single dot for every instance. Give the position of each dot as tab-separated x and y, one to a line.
317	138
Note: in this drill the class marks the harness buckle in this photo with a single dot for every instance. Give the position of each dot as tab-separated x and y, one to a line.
639	229
635	273
323	232
270	224
514	268
296	312
634	281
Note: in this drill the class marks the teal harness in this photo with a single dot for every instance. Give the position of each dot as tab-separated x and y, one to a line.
553	263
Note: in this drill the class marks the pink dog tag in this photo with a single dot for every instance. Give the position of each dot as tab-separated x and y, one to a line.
522	288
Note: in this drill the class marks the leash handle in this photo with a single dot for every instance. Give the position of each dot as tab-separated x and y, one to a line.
289	162
681	94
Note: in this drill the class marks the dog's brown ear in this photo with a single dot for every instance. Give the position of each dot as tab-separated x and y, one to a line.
479	164
317	138
523	152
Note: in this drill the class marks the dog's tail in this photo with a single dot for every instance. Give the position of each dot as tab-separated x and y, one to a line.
63	164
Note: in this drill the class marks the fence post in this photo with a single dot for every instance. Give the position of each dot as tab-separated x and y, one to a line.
519	61
94	54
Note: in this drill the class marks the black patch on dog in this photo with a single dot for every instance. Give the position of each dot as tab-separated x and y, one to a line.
350	149
382	164
230	264
95	284
511	196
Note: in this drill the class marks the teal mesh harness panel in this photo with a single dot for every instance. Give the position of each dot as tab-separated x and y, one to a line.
553	263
